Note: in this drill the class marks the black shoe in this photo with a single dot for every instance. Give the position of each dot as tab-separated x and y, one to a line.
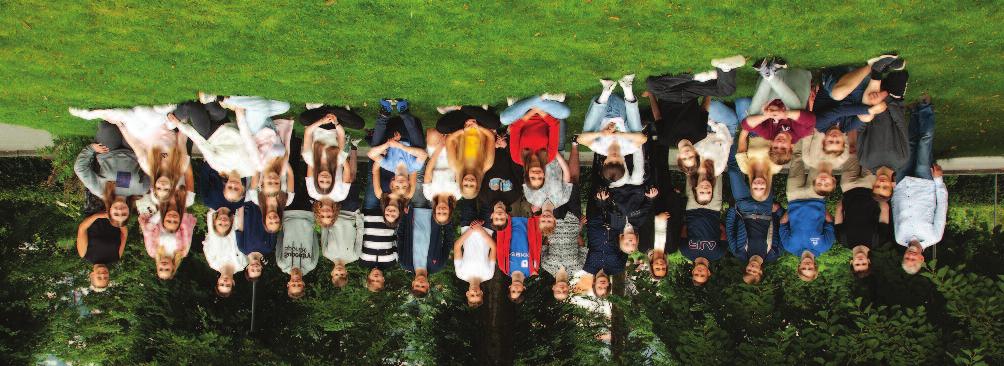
882	63
574	139
762	66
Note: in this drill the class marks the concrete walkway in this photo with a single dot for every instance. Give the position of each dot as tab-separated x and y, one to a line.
20	140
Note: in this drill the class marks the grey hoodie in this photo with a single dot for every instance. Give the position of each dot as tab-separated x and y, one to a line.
119	166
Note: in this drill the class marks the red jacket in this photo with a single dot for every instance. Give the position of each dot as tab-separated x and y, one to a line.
534	238
539	132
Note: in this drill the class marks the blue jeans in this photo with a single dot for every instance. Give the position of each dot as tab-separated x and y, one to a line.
720	112
412	130
615	107
517	110
738	183
921	144
372	201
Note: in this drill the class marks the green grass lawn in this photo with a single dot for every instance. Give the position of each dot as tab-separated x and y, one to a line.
124	53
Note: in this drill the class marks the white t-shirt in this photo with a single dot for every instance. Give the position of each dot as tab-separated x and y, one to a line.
602	145
475	262
444	179
252	196
221	251
715	146
339	190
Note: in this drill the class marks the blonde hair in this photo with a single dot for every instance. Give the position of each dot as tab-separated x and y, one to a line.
170	166
335	207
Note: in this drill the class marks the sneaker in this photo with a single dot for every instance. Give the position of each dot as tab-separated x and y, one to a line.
206	98
762	66
557	97
729	63
509	101
626	81
608	84
778	63
882	63
402	105
385	107
705	76
575	139
313	105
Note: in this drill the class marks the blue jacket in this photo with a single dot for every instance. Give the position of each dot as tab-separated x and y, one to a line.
740	245
807	228
209	186
604	249
253	237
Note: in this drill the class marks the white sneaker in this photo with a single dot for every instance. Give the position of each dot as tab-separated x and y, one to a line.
206	98
729	63
626	81
557	97
313	105
82	113
608	85
705	76
447	109
509	101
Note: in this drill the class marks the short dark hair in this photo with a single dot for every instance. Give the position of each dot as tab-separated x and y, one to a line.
612	172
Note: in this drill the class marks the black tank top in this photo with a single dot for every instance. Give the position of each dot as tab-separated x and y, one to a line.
103	242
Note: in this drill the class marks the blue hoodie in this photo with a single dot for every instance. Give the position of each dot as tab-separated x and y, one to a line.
807	228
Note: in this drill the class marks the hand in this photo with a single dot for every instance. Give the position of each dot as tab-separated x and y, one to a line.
665	216
878	108
829	218
534	208
840	207
477	224
99	148
331	118
172	118
394	143
776	206
784	219
500	142
602	195
582	220
936	171
652	192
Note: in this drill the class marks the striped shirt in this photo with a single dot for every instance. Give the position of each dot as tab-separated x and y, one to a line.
379	241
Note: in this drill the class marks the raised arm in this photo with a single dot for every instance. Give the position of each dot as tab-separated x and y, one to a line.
349	170
566	175
82	168
430	166
941	210
376	153
125	235
636	138
587	138
375	180
743	141
250	145
290	177
82	241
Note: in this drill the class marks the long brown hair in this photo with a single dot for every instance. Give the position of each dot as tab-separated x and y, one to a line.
275	165
171	166
697	177
321	151
110	198
280	206
532	159
173	203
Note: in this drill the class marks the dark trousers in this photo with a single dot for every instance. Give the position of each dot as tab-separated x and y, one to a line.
454	120
205	118
405	124
682	88
346	118
110	136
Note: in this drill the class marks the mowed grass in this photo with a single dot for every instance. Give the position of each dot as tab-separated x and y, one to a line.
123	53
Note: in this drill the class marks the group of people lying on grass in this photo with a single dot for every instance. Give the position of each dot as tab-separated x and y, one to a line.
501	194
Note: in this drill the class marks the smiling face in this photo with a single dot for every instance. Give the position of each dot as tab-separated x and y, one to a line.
700	274
162	188
883	186
758	188
391	213
221	224
339	275
659	267
442	211
420	285
271	184
833	143
172	220
400	184
705	191
324	180
469	186
233	190
753	268
499	217
224	285
629	242
824	183
561	290
536	175
781	145
687	155
375	280
165	268
860	262
295	286
913	259
273	222
807	269
99	276
118	213
474	297
325	215
254	268
601	286
547	222
516	290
